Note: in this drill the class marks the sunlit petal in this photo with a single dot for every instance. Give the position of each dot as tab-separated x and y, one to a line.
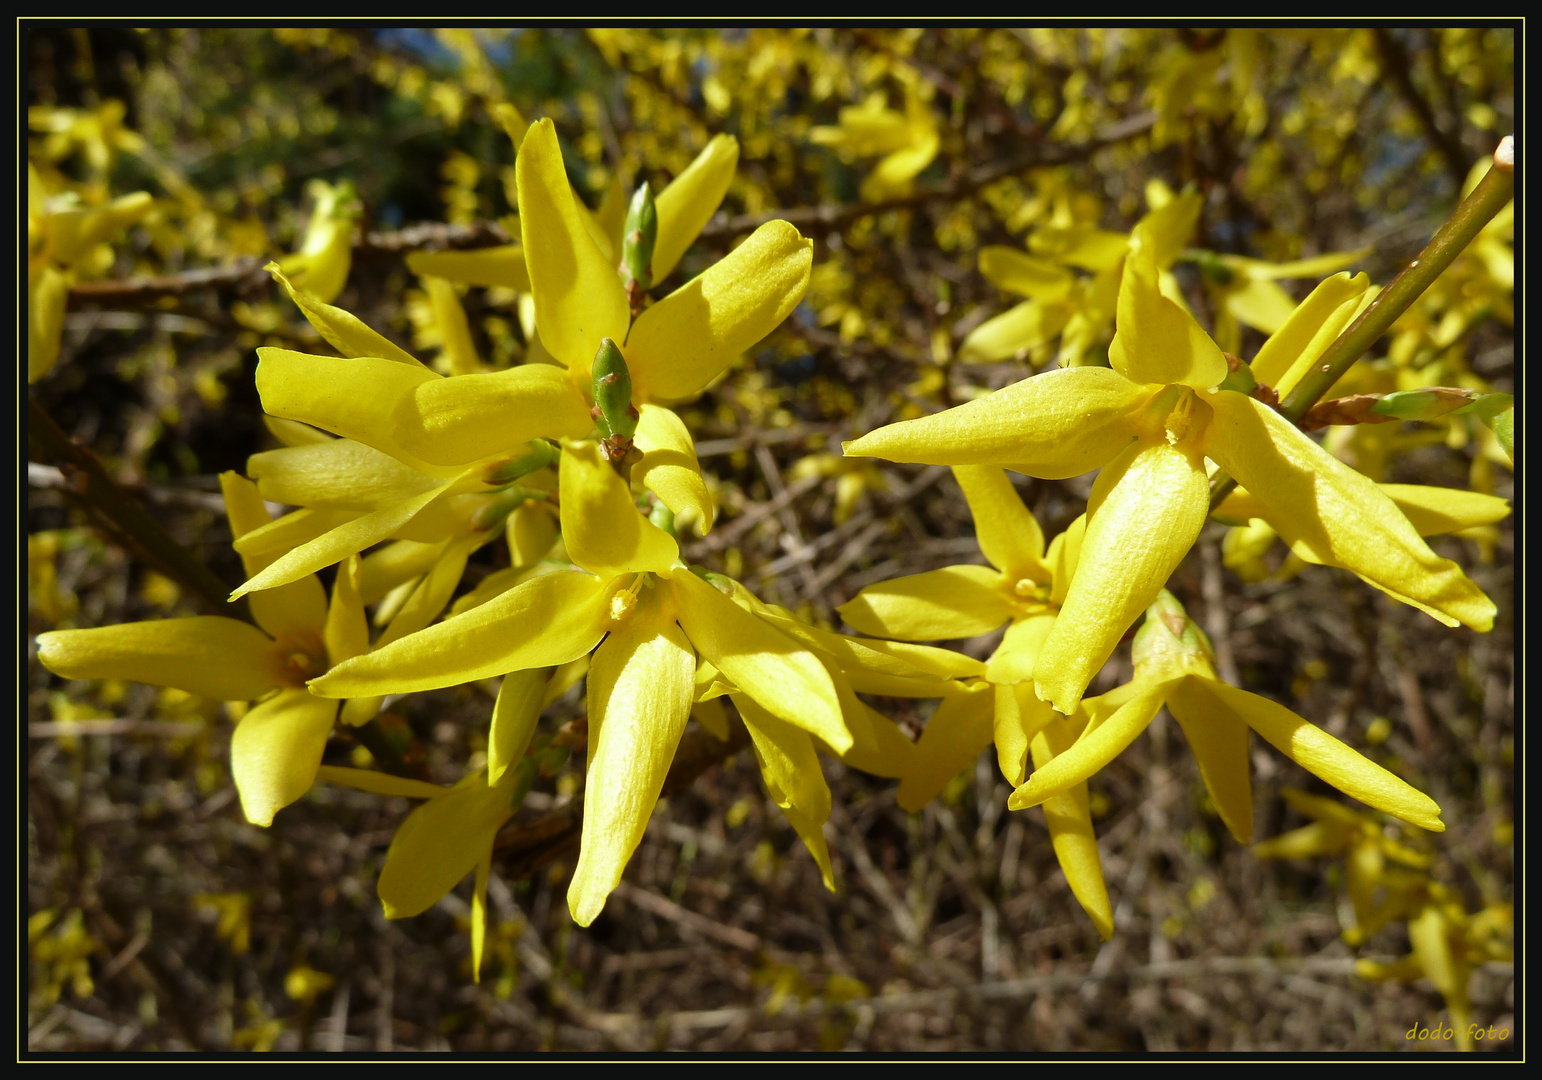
1263	305
433	592
1311	328
546	621
214	657
578	295
346	633
1020	716
1009	536
1070	832
1099	744
640	689
669	467
294	609
463	419
954	736
1021	327
601	525
491	267
1059	424
440	843
379	783
690	199
954	602
1157	341
342	330
1220	745
681	343
515	714
1012	270
276	750
340	473
1015	657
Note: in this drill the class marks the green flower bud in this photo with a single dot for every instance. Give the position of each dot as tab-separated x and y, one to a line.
542	455
613	412
638	238
1169	638
1425	404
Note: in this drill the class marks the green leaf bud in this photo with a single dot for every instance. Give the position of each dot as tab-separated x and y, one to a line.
541	455
613	412
638	238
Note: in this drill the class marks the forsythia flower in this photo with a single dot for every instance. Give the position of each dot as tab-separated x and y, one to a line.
651	619
908	140
277	745
326	253
1149	422
1173	666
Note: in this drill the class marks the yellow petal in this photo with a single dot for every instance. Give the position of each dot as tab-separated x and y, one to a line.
347	631
479	911
48	293
1167	229
640	689
884	750
954	736
954	602
786	679
379	783
1157	342
491	267
340	473
1322	755
1021	327
1433	511
296	609
1009	536
669	467
1069	819
787	759
1020	716
515	715
1065	551
1010	269
214	657
1080	246
711	715
1315	266
342	330
458	350
530	533
276	750
601	526
387	567
1147	510
439	843
690	199
1263	305
434	591
265	543
578	295
1014	659
1056	425
890	659
452	422
1099	744
681	343
1315	324
1316	500
1220	745
1307	842
347	539
544	622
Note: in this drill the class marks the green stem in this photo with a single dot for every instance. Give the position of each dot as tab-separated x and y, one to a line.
123	514
1477	210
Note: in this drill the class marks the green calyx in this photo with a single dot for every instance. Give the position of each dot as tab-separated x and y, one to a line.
1169	638
638	238
613	413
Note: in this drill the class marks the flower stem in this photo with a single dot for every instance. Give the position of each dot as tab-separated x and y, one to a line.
1476	211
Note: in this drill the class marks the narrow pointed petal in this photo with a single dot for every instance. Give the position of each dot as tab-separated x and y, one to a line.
883	750
1314	266
785	678
266	543
1099	744
1316	500
640	688
1308	842
1220	745
1021	327
479	910
890	659
515	715
1167	229
578	295
458	350
954	602
292	432
1065	552
1157	342
1069	819
347	631
690	199
453	422
379	783
669	467
954	736
295	609
681	343
601	526
342	330
276	750
339	473
546	621
1012	270
1321	754
48	295
1009	536
787	759
214	657
1434	511
387	567
1081	246
1056	425
439	844
493	267
1149	508
530	533
1314	325
433	592
347	539
1020	716
1014	659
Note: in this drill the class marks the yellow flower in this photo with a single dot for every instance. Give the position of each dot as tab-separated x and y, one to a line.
908	140
277	745
1173	666
1026	585
326	252
1150	422
651	619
